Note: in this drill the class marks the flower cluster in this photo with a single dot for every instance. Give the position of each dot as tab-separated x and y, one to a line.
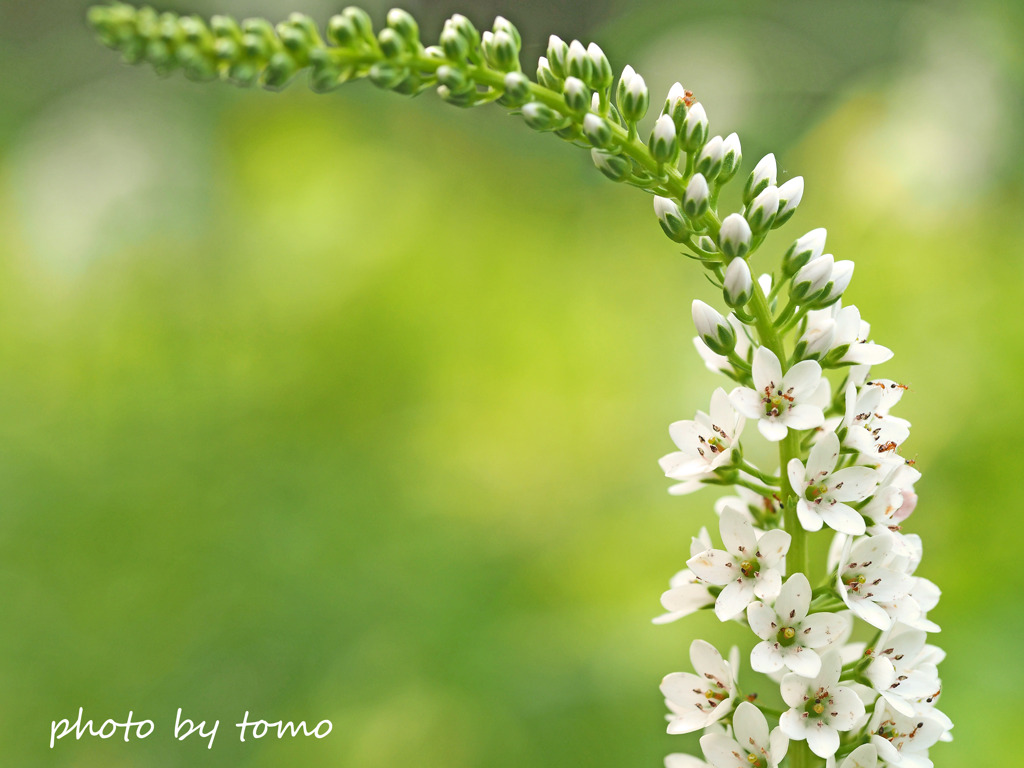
801	365
799	362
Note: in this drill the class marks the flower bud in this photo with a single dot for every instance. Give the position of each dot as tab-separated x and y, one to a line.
464	28
790	195
501	24
734	236
806	248
390	42
706	244
517	88
541	117
713	329
501	50
576	94
762	177
812	278
556	55
279	70
597	130
762	209
711	156
663	145
839	281
694	131
732	155
738	285
341	31
453	44
670	218
695	201
404	24
628	73
636	99
601	75
386	74
576	62
454	79
615	167
547	77
675	105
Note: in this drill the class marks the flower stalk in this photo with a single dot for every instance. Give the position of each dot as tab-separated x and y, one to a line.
800	361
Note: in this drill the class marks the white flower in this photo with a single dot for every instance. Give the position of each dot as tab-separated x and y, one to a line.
869	427
706	443
865	582
819	707
753	747
840	329
823	492
864	756
749	567
698	700
789	635
905	673
893	503
902	739
780	403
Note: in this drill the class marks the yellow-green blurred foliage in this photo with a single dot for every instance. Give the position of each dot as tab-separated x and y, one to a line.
349	406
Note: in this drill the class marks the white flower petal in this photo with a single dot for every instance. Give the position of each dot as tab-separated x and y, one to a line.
794	600
765	657
767	370
842	518
772	430
823	740
803	416
734	599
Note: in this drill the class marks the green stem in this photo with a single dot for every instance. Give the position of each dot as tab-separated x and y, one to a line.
789	447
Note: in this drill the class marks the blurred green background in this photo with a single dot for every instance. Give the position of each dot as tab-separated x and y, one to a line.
349	406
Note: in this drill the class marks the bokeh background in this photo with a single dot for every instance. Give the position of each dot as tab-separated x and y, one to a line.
348	406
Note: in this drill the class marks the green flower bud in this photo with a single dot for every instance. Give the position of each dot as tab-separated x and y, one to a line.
517	89
812	279
675	105
738	285
501	51
404	24
225	26
671	219
601	75
391	43
696	200
576	94
546	76
806	248
694	131
762	209
663	145
501	24
455	79
762	177
541	117
790	195
636	99
361	22
597	130
279	70
386	74
734	236
577	63
615	167
709	162
341	31
557	53
713	329
731	157
454	45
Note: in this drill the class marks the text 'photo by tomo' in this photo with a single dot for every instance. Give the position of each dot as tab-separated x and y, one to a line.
523	384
